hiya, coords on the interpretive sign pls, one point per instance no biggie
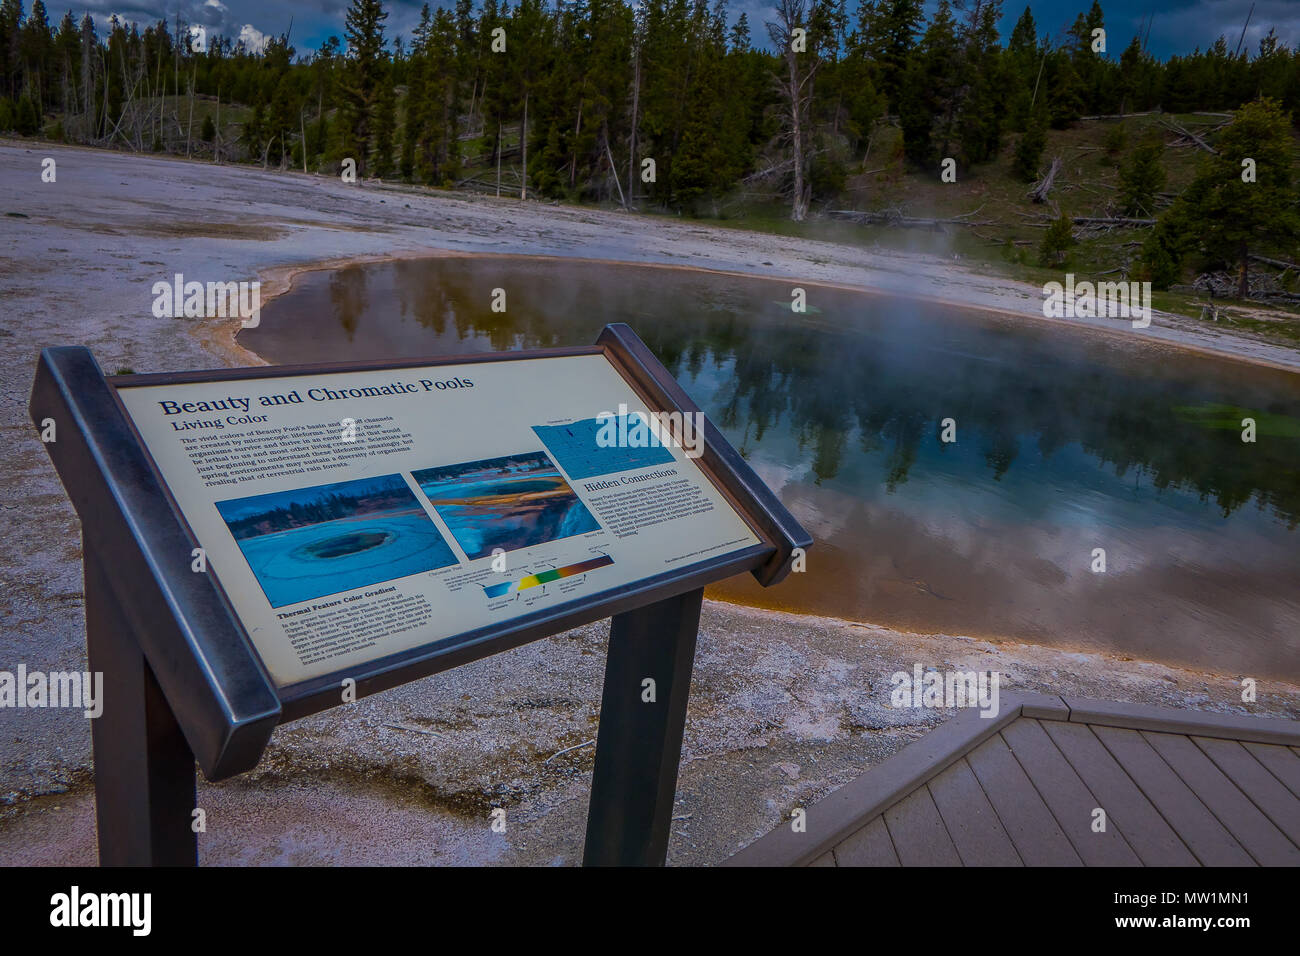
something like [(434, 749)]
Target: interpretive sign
[(264, 543), (354, 515)]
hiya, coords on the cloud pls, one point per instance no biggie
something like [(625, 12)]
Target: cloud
[(215, 15), (252, 39), (1179, 26), (1198, 23)]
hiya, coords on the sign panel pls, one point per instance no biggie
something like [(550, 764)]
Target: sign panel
[(354, 515)]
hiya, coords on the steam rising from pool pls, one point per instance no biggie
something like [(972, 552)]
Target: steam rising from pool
[(1066, 442)]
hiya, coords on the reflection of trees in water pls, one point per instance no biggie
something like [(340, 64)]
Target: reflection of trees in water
[(890, 383), (894, 390), (348, 295), (457, 294)]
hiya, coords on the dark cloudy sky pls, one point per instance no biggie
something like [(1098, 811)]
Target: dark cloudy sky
[(1178, 25)]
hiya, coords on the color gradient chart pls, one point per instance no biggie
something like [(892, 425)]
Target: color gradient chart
[(543, 577)]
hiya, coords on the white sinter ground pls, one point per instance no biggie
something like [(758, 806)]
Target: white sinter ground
[(783, 708)]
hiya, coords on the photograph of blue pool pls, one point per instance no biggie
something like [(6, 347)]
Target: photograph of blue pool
[(577, 447), (310, 542), (508, 503)]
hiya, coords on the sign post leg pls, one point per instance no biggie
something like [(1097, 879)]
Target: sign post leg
[(144, 770), (639, 742)]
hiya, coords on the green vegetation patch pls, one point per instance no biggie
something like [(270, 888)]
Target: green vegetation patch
[(1214, 416)]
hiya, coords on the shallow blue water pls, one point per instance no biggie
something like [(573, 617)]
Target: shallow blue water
[(289, 572)]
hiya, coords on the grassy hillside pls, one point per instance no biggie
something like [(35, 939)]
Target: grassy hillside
[(1008, 226)]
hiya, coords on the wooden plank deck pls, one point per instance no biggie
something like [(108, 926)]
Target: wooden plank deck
[(1175, 788)]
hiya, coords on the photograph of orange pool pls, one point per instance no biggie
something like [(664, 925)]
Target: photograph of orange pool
[(508, 503)]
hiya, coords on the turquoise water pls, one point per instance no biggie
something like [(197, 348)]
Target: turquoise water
[(485, 515), (300, 564), (1066, 442)]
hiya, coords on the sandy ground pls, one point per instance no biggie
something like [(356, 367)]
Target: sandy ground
[(784, 708)]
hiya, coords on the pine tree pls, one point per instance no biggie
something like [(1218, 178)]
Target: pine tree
[(982, 97), (67, 60), (495, 97), (609, 78), (385, 121), (1062, 89), (531, 30), (1024, 63), (416, 121), (1231, 218), (1140, 178), (896, 24), (1056, 242), (324, 69), (283, 120), (714, 149), (1029, 151), (363, 77), (1088, 65), (253, 136), (1162, 254), (445, 95), (37, 43), (11, 20), (27, 122), (863, 102), (1115, 139), (1133, 69), (931, 89)]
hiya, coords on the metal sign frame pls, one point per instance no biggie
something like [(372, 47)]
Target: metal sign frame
[(183, 681)]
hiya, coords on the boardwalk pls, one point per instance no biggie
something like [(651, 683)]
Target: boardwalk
[(1028, 788)]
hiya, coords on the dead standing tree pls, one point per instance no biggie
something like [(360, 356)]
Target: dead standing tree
[(790, 36)]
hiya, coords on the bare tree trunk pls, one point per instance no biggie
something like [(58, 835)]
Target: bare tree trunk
[(88, 88), (614, 170), (189, 129), (1044, 186), (797, 90), (573, 157), (799, 208), (498, 159), (636, 99), (1034, 99), (523, 143), (107, 79), (159, 82), (473, 95)]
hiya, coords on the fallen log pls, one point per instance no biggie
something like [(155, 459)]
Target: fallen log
[(1115, 115), (1001, 242), (893, 217), (1110, 221), (1188, 134), (1044, 186), (1091, 220), (1280, 263)]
